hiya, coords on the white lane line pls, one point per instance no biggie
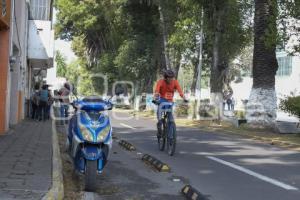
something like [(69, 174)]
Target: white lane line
[(252, 173), (88, 196), (127, 126)]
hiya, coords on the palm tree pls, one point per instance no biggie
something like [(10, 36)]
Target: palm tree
[(261, 108)]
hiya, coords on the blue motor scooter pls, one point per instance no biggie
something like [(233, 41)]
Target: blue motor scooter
[(90, 137)]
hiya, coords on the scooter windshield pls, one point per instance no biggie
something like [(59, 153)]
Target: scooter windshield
[(93, 104), (94, 116)]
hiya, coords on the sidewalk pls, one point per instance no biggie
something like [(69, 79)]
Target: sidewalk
[(26, 161)]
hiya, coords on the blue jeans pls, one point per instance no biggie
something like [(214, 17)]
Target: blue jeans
[(164, 106), (64, 111)]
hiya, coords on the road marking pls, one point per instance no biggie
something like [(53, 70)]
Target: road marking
[(252, 173), (176, 180), (88, 196), (127, 126)]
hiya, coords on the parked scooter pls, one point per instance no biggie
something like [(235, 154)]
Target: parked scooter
[(90, 137)]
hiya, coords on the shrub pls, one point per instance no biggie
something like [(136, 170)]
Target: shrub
[(206, 109), (291, 105), (240, 114), (182, 109)]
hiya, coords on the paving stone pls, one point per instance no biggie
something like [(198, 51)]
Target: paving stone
[(41, 184), (4, 173), (26, 161), (13, 183)]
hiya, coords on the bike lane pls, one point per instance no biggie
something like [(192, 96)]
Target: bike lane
[(219, 165)]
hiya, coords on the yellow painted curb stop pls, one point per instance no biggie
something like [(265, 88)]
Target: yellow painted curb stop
[(127, 145), (157, 164), (192, 194)]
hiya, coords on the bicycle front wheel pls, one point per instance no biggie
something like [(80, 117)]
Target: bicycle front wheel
[(161, 143), (161, 139), (171, 140)]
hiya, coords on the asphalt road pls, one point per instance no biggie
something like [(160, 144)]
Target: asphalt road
[(220, 166), (125, 177)]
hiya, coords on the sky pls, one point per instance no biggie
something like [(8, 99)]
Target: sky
[(65, 48)]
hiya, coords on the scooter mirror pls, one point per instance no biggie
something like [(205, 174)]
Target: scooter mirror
[(110, 106)]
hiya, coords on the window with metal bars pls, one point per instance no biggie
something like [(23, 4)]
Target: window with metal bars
[(284, 66), (40, 9)]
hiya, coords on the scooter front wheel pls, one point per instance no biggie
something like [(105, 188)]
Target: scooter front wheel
[(90, 175)]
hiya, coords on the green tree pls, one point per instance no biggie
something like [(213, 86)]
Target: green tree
[(226, 32), (61, 64), (73, 72), (288, 25)]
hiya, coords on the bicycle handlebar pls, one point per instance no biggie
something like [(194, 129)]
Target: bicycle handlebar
[(156, 102)]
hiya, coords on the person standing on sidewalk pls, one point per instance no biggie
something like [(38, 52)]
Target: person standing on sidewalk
[(232, 103), (35, 104), (64, 101), (44, 97), (228, 101), (49, 103)]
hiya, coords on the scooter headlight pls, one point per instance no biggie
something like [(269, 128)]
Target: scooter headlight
[(86, 134), (103, 134)]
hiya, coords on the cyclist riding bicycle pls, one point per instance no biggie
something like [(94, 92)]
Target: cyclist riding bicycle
[(164, 92)]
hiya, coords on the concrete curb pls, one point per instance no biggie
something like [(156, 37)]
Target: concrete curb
[(277, 142), (127, 145), (157, 164), (56, 192), (192, 194)]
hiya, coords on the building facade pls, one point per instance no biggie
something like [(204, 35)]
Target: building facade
[(287, 80), (26, 52), (5, 16)]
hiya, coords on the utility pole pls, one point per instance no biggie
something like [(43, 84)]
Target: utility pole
[(198, 82)]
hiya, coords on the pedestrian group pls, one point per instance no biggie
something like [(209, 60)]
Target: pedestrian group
[(41, 101)]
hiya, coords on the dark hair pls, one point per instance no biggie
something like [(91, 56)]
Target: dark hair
[(169, 73), (67, 85)]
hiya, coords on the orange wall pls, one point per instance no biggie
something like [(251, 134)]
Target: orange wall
[(4, 20), (20, 106), (4, 55)]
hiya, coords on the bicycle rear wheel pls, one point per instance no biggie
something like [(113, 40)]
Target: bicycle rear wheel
[(171, 139)]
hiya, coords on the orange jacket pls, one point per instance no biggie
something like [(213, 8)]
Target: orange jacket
[(167, 90)]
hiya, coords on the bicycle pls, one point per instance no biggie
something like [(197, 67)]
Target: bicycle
[(168, 131)]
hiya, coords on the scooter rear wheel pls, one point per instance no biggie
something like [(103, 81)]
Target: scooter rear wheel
[(90, 175)]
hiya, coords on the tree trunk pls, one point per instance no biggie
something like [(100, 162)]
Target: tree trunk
[(164, 34), (195, 76), (177, 63), (261, 108), (196, 63), (218, 61)]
